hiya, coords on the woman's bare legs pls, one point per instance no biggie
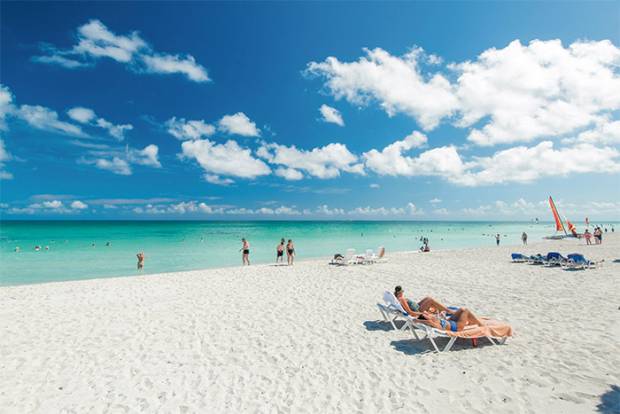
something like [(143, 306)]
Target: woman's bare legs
[(464, 317), (428, 303)]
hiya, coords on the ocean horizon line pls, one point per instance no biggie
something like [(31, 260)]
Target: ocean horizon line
[(163, 220)]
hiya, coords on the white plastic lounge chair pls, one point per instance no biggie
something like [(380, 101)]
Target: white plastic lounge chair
[(392, 311), (369, 257), (380, 257), (351, 258)]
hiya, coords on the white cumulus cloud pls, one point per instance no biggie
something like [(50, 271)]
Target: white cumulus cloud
[(88, 117), (183, 130), (96, 41), (238, 124), (331, 115), (397, 83), (323, 162), (79, 205), (228, 159)]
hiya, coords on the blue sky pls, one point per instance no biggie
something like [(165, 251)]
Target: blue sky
[(310, 110)]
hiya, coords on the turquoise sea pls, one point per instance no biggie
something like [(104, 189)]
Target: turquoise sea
[(77, 249)]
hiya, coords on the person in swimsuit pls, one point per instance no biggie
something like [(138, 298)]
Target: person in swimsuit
[(245, 248), (290, 252), (497, 238), (454, 322), (140, 257), (524, 238), (280, 252), (414, 309)]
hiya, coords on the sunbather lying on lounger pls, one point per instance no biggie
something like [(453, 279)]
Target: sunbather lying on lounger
[(455, 322), (427, 304)]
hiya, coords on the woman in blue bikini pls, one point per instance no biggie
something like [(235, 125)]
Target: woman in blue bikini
[(454, 322)]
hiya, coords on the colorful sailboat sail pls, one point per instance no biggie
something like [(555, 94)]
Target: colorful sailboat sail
[(572, 228), (559, 226)]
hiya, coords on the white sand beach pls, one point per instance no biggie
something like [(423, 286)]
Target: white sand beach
[(308, 338)]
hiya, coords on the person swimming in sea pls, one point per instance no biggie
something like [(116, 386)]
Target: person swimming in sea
[(290, 252), (141, 258), (280, 252), (245, 248)]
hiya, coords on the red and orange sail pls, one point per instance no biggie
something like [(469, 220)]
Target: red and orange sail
[(572, 228), (558, 222)]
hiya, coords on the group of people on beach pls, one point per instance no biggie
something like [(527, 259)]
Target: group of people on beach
[(283, 246), (597, 233)]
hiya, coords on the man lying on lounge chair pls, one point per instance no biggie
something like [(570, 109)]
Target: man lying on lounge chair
[(427, 304)]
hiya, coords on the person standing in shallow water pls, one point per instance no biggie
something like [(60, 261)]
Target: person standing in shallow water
[(290, 252), (245, 248), (140, 257), (280, 252), (497, 238), (524, 238)]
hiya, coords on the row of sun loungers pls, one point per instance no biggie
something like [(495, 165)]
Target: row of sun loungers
[(571, 261), (351, 258), (392, 311)]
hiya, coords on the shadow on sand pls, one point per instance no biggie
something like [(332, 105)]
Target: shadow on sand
[(610, 401), (415, 347), (411, 346), (382, 325)]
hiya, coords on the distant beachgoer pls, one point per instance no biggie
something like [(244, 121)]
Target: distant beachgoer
[(497, 238), (598, 235), (17, 249), (588, 236), (37, 248), (108, 244), (245, 248), (141, 258), (280, 252), (92, 244), (290, 252), (47, 247), (524, 238)]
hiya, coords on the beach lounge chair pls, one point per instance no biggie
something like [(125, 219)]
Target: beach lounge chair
[(578, 261), (392, 310), (555, 259), (369, 257), (537, 259), (380, 257), (496, 332), (518, 258), (351, 258)]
